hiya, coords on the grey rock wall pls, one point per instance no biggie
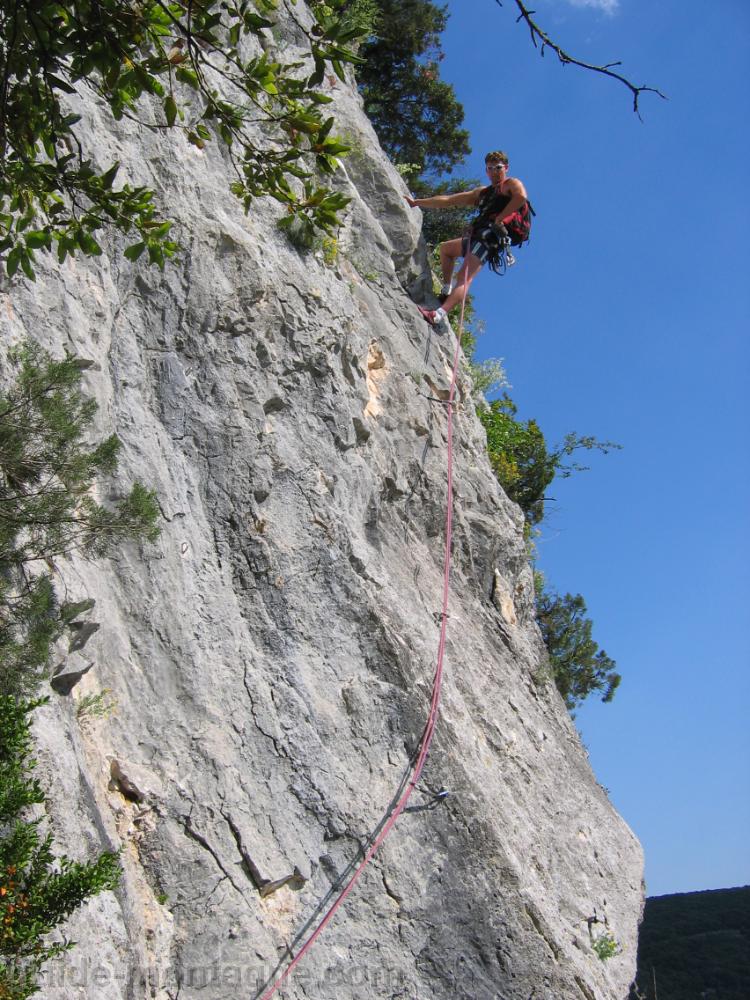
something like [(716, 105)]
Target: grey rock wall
[(271, 656)]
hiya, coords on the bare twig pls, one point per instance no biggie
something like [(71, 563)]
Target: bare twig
[(537, 36)]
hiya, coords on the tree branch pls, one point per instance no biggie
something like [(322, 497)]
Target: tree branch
[(10, 46), (538, 35)]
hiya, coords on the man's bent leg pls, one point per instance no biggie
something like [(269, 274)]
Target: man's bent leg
[(449, 254), (465, 277)]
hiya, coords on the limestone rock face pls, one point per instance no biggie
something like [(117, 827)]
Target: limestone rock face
[(270, 658)]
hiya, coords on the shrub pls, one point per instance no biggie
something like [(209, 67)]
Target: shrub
[(488, 375), (38, 890), (521, 460), (47, 471), (579, 667), (519, 457), (46, 507), (525, 467)]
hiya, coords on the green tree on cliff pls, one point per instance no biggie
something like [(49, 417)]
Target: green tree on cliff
[(47, 509), (579, 667), (205, 70), (525, 467), (48, 469), (38, 889), (521, 459), (416, 114)]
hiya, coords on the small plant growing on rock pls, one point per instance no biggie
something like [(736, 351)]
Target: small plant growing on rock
[(579, 667), (365, 270), (605, 946), (95, 706), (409, 171), (330, 250), (326, 248)]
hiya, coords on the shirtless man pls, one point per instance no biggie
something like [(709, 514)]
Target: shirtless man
[(496, 203)]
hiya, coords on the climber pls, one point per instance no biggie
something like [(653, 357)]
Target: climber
[(504, 215)]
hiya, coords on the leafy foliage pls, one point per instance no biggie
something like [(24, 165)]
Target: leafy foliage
[(488, 375), (579, 667), (96, 706), (47, 472), (201, 69), (605, 946), (695, 946), (518, 456), (46, 507), (37, 889), (525, 467), (521, 460), (415, 114), (359, 18)]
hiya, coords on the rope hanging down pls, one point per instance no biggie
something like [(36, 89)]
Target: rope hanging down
[(411, 778)]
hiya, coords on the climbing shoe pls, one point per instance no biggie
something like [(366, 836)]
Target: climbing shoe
[(435, 317)]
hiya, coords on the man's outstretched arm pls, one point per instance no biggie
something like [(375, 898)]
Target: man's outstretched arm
[(468, 198)]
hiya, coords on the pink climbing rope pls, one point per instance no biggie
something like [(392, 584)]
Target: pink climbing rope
[(429, 728)]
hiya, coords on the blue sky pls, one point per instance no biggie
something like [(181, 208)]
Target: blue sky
[(627, 317)]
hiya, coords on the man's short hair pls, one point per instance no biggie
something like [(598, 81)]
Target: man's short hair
[(498, 156)]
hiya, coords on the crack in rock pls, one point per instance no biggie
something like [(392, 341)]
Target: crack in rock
[(192, 834), (265, 886)]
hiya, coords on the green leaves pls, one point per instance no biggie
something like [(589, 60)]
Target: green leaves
[(416, 115), (20, 256), (47, 471), (38, 890), (14, 260), (49, 187), (38, 195), (170, 109), (38, 239), (521, 459), (579, 667), (525, 467), (46, 509), (87, 243), (134, 252)]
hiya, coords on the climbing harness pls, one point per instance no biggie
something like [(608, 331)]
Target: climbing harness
[(517, 226), (491, 241), (349, 878)]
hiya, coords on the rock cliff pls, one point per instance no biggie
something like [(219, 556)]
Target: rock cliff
[(270, 658)]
